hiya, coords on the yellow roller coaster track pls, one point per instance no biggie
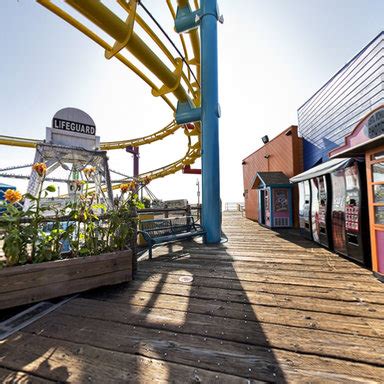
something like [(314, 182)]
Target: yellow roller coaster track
[(125, 37)]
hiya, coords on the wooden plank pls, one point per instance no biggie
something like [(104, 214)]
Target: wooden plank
[(276, 289), (294, 302), (146, 277), (305, 280), (62, 361), (199, 351), (34, 276), (12, 377), (275, 315), (266, 261), (79, 261), (238, 268), (250, 331), (63, 288)]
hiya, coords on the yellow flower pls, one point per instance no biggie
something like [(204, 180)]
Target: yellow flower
[(88, 172), (124, 188), (40, 168), (12, 196)]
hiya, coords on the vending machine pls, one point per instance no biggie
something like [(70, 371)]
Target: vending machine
[(320, 210), (338, 211), (356, 215), (305, 209)]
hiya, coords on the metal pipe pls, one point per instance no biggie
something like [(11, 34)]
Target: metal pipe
[(110, 23), (211, 210)]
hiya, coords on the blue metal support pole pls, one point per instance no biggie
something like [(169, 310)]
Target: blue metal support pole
[(211, 206)]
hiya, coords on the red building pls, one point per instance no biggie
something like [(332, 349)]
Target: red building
[(283, 154)]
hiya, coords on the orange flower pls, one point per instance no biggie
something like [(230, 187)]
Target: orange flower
[(88, 172), (124, 188), (40, 168), (12, 196)]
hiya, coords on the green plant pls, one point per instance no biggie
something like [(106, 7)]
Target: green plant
[(85, 224)]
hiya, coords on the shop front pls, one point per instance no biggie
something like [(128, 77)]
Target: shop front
[(367, 140)]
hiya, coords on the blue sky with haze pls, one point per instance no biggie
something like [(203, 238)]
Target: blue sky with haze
[(273, 56)]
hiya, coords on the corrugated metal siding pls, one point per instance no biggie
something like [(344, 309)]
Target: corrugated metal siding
[(285, 155), (332, 113)]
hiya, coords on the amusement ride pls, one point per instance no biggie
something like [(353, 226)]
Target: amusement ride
[(189, 86)]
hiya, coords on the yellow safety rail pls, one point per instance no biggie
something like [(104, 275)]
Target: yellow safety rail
[(125, 37), (107, 145)]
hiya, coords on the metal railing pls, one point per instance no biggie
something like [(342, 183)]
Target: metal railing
[(234, 206)]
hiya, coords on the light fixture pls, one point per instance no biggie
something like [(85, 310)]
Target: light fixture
[(265, 139)]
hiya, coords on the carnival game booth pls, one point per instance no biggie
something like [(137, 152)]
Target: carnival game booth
[(333, 209), (367, 140), (275, 199)]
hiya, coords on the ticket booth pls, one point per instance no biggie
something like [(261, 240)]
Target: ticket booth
[(367, 139), (275, 199)]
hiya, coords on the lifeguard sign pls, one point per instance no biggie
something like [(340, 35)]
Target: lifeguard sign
[(72, 127), (70, 146)]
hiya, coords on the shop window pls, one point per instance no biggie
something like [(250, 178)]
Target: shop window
[(378, 156), (379, 215), (378, 193), (378, 172)]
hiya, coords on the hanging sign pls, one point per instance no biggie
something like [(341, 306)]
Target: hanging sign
[(73, 126)]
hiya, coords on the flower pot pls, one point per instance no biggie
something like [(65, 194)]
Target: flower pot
[(31, 283)]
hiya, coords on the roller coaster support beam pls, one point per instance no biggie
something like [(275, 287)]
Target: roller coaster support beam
[(211, 210), (136, 156)]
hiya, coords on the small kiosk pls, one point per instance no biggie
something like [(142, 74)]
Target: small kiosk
[(275, 199), (367, 139)]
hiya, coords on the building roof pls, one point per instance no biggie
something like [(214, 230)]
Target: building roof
[(380, 35), (269, 179)]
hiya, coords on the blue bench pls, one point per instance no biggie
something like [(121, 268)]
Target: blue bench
[(161, 231)]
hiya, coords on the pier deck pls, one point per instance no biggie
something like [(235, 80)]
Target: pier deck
[(263, 307)]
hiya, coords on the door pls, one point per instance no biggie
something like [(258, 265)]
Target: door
[(261, 206), (375, 177)]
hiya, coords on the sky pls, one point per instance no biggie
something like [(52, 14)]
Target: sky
[(273, 56)]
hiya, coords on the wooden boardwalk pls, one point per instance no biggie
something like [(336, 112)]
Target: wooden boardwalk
[(263, 307)]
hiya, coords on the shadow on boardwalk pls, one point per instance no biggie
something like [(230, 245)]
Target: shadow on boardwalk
[(262, 307)]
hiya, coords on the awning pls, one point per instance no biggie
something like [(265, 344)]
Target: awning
[(322, 169)]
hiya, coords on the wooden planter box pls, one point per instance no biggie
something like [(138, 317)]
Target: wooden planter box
[(31, 283)]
